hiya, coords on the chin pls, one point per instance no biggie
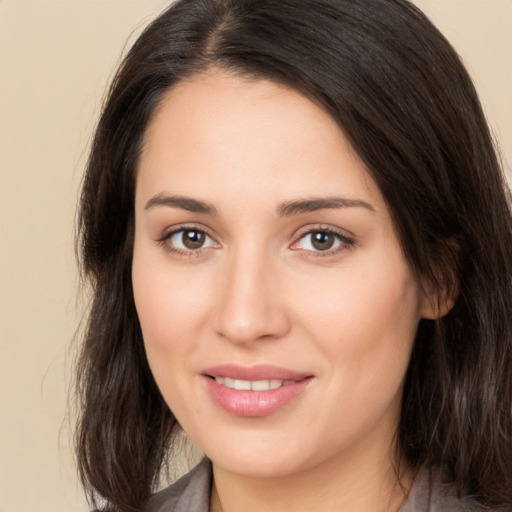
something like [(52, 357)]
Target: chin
[(261, 465), (265, 456)]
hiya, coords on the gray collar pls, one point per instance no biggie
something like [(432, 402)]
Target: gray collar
[(191, 493)]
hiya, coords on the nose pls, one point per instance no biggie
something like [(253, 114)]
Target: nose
[(251, 304)]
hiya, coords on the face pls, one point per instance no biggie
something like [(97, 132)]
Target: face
[(277, 309)]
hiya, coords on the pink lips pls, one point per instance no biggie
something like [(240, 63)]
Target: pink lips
[(241, 402)]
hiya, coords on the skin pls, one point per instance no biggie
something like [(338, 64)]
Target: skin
[(259, 292)]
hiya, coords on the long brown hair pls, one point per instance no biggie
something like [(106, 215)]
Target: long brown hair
[(400, 94)]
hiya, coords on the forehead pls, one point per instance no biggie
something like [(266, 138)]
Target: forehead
[(239, 108), (219, 128)]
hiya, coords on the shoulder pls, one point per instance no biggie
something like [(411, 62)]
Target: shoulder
[(191, 493), (430, 493)]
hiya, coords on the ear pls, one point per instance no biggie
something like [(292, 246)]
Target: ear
[(438, 303), (441, 287)]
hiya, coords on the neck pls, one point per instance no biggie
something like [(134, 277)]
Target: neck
[(365, 484)]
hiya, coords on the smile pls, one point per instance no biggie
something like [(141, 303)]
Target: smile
[(254, 391), (253, 385)]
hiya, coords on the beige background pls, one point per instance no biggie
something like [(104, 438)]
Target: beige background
[(55, 59)]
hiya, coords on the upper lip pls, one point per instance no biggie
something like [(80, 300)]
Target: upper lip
[(256, 372)]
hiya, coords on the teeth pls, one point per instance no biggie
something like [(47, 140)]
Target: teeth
[(242, 385), (252, 385), (274, 384)]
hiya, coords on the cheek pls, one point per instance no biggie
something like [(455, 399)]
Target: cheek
[(172, 306), (165, 308), (365, 322), (171, 311), (365, 329), (357, 311)]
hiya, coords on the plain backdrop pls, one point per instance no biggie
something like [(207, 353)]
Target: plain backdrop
[(56, 58)]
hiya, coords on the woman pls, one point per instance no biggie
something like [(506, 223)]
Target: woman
[(299, 240)]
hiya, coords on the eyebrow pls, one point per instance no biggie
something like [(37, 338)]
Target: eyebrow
[(185, 203), (290, 208), (286, 209)]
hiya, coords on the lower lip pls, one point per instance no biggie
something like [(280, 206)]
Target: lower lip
[(254, 403)]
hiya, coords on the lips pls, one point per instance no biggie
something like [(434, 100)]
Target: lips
[(257, 372), (253, 385), (254, 391)]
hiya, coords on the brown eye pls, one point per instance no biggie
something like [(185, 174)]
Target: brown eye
[(189, 239), (193, 239), (322, 240)]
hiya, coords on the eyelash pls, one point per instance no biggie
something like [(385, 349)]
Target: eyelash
[(164, 239), (344, 242)]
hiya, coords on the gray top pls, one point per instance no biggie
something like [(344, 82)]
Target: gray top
[(191, 493)]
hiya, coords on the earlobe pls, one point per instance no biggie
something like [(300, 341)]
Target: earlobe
[(437, 303), (441, 283), (434, 309)]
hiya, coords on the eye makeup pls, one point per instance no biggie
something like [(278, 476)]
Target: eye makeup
[(318, 241)]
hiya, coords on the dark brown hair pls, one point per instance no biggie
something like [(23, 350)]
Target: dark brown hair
[(400, 94)]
